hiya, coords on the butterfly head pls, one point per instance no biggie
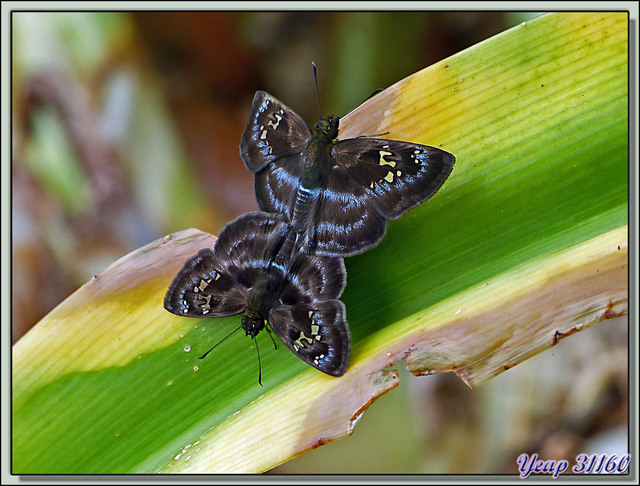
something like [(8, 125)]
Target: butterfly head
[(328, 127), (252, 325)]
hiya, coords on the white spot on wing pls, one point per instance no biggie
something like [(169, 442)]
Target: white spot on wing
[(386, 162), (275, 125)]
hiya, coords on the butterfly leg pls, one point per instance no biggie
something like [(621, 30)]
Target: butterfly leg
[(271, 336)]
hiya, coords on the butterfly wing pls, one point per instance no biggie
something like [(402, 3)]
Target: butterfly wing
[(274, 130), (205, 287), (276, 184), (345, 221), (251, 237), (396, 175), (317, 333), (312, 278)]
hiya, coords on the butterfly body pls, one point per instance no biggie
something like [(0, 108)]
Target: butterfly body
[(263, 296), (338, 194), (252, 270), (318, 161)]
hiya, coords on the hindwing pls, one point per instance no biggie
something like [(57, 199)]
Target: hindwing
[(317, 333)]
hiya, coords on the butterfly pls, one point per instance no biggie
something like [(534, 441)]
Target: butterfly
[(252, 269), (338, 194)]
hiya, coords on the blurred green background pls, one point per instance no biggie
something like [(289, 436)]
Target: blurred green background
[(125, 127)]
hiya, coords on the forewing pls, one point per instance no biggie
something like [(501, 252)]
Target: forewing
[(205, 287), (346, 221), (317, 333), (397, 176), (274, 130)]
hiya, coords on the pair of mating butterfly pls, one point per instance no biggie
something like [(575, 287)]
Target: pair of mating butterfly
[(324, 199)]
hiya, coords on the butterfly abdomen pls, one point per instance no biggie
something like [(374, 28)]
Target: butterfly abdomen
[(302, 209)]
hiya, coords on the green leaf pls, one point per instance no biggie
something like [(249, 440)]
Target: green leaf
[(525, 244)]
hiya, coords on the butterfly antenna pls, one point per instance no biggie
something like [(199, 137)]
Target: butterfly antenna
[(315, 78), (201, 357), (259, 364)]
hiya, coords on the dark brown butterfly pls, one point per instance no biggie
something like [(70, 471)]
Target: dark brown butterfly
[(338, 194), (252, 269)]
